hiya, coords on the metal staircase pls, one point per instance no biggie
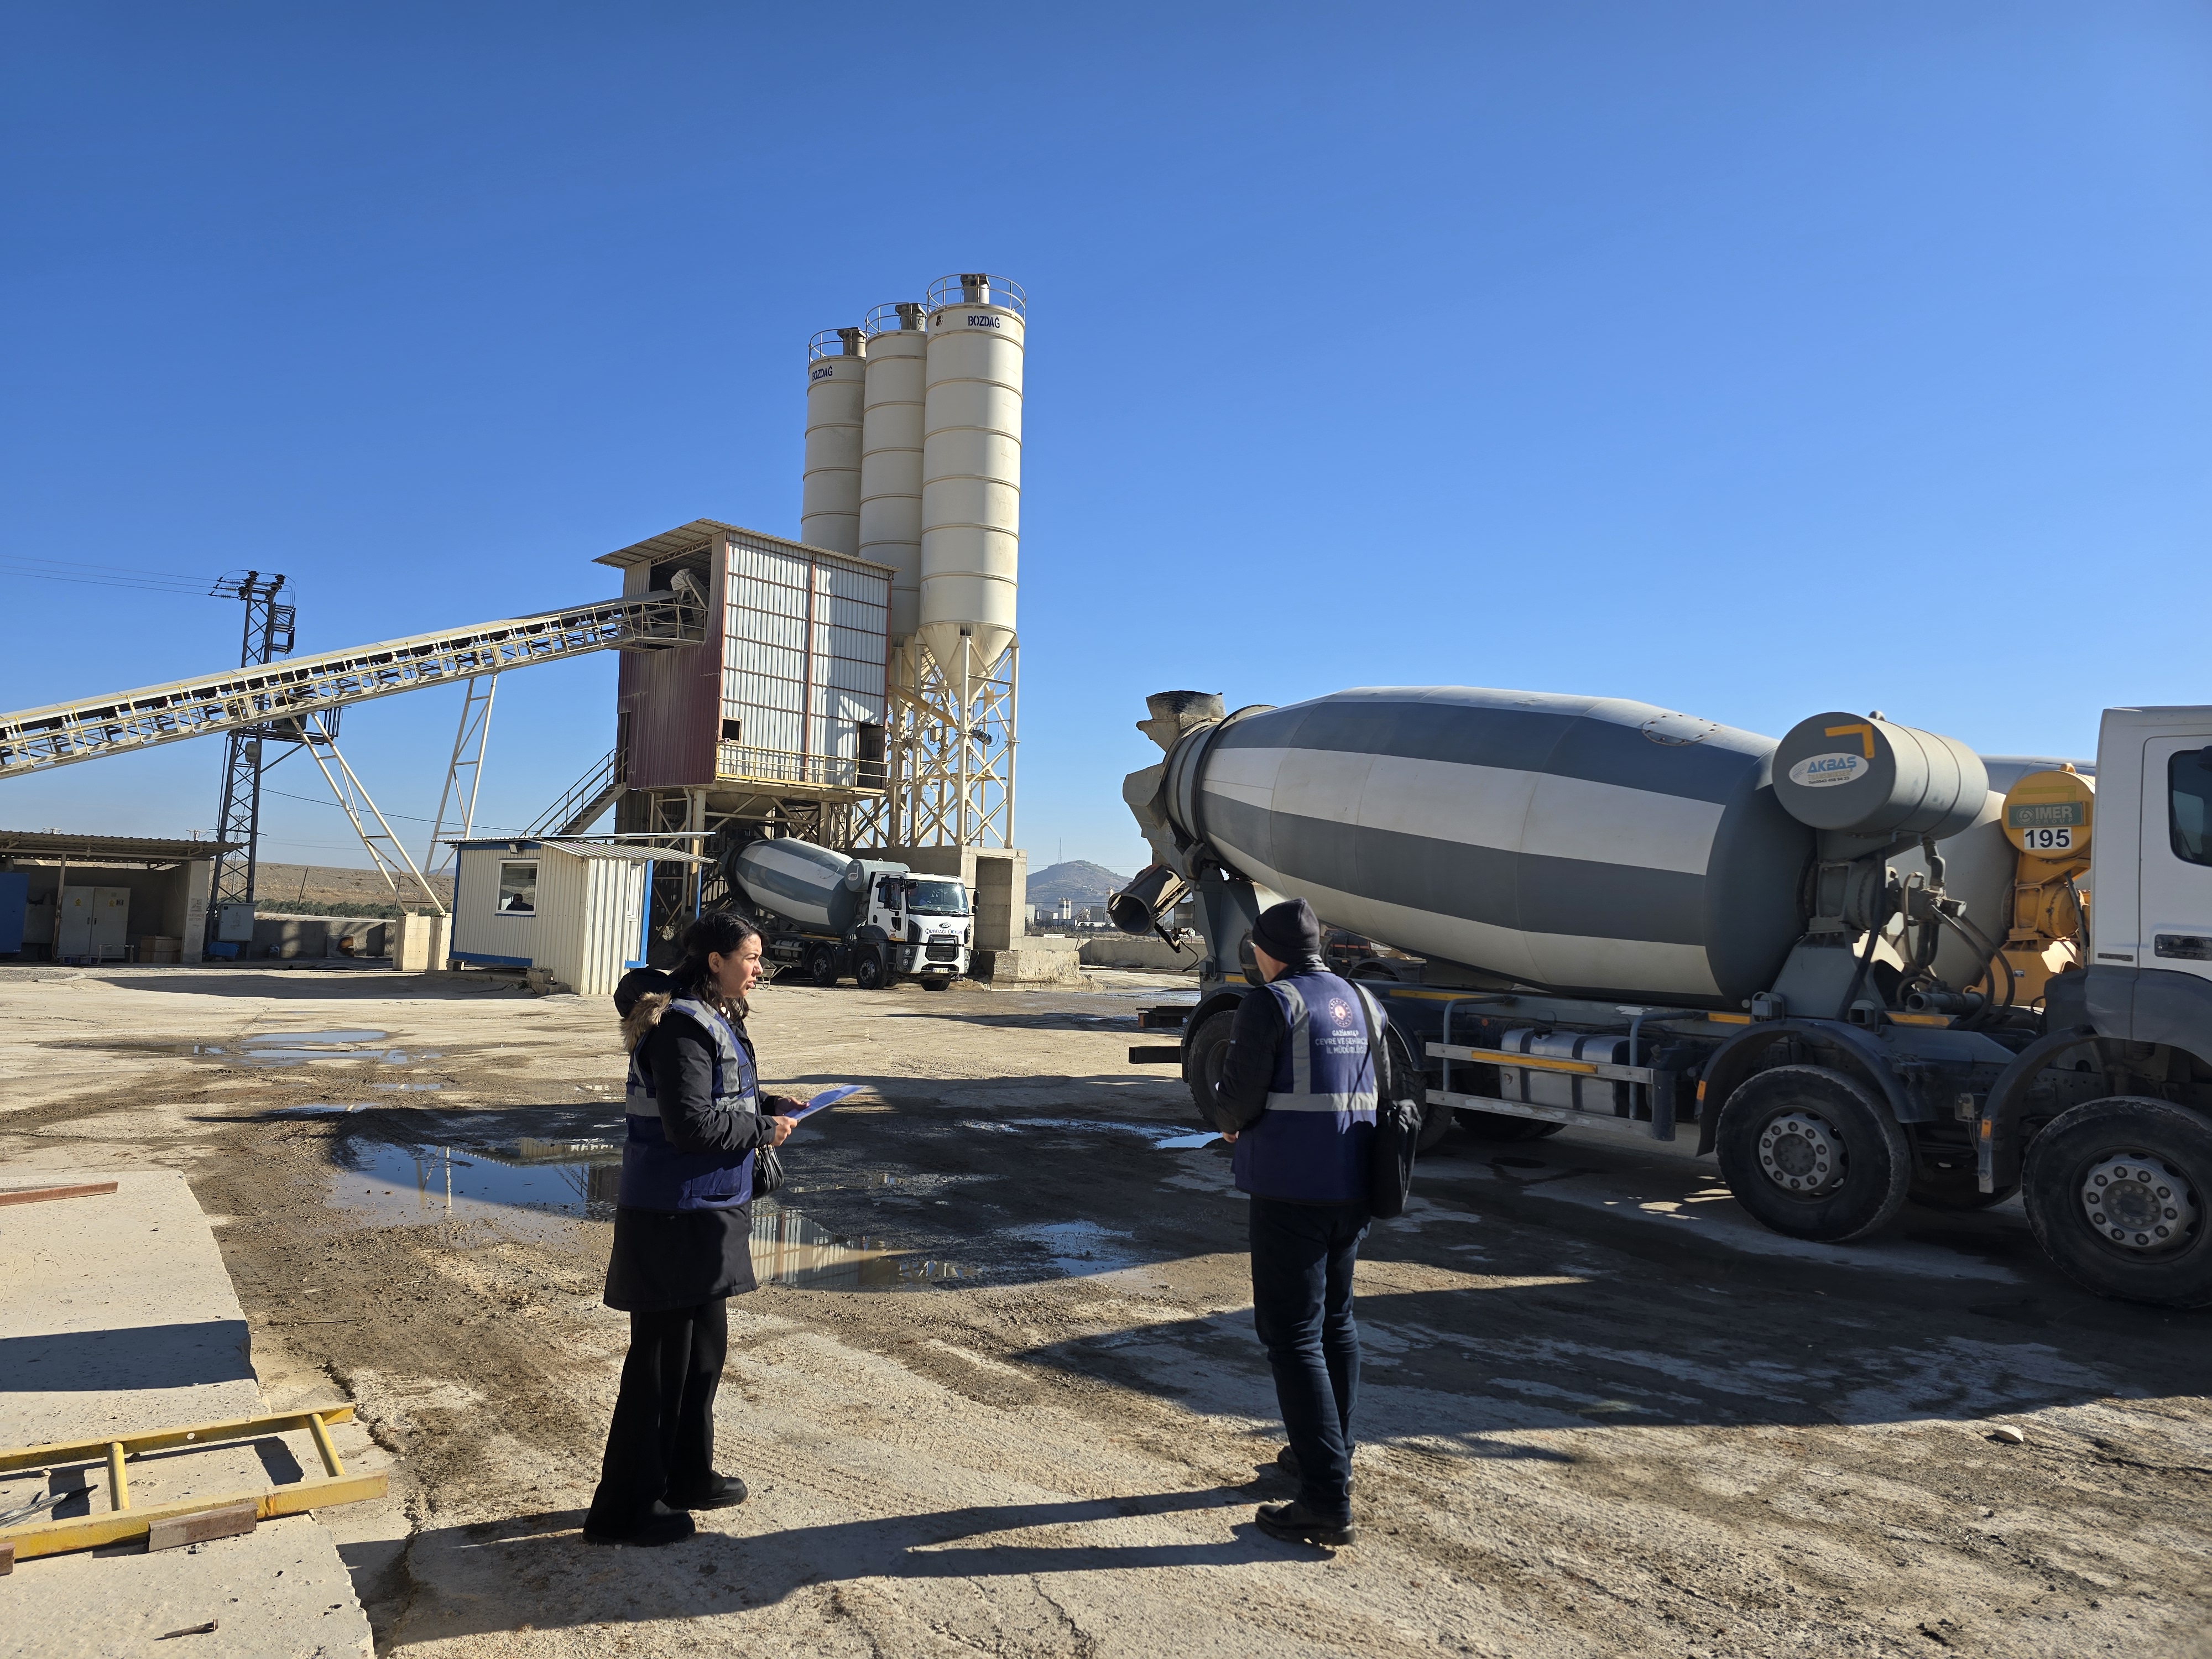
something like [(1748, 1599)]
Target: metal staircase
[(578, 810)]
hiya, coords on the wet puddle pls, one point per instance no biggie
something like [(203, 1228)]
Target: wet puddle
[(579, 1179), (306, 1048)]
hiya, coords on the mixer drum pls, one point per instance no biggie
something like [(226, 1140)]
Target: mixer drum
[(812, 886), (1587, 846)]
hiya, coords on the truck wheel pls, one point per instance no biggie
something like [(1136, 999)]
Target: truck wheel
[(1812, 1155), (1406, 1074), (1202, 1058), (868, 971), (822, 966), (2117, 1192), (938, 982), (1944, 1176)]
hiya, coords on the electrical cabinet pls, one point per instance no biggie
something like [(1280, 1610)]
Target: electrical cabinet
[(95, 924)]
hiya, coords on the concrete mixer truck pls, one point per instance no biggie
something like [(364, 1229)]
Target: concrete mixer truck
[(830, 916), (1860, 965)]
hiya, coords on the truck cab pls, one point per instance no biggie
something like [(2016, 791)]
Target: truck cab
[(928, 924)]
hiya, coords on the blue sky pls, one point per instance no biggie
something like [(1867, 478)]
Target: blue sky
[(1751, 360)]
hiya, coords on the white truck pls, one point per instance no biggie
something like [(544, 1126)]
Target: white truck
[(1862, 963), (831, 916)]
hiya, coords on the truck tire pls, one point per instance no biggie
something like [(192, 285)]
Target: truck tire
[(1504, 1125), (1201, 1062), (1811, 1154), (1945, 1176), (868, 970), (2119, 1193), (822, 965), (938, 982)]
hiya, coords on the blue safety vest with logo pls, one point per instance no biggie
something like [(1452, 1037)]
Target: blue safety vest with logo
[(658, 1176), (1314, 1143)]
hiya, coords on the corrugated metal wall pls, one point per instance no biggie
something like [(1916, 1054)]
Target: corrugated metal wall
[(479, 929), (590, 912), (803, 661)]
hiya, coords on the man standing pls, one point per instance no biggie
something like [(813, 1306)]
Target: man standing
[(1305, 1067)]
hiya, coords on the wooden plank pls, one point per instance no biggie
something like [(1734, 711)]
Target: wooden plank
[(1600, 1068), (41, 1195), (7, 1556), (231, 1521), (235, 1428), (118, 1484), (86, 1532)]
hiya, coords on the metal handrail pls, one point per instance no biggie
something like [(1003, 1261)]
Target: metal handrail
[(1005, 292), (885, 320), (62, 734), (591, 787), (831, 342)]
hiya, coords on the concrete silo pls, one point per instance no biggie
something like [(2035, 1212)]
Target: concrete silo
[(890, 458), (971, 473), (829, 502)]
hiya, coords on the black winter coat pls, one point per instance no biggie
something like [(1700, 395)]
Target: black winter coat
[(665, 1259)]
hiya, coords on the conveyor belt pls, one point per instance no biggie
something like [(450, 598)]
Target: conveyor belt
[(34, 740)]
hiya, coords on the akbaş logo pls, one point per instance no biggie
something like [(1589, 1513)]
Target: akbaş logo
[(1820, 771)]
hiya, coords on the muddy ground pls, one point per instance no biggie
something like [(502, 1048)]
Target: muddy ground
[(1604, 1413)]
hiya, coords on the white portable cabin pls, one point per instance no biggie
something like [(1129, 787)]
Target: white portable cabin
[(574, 908)]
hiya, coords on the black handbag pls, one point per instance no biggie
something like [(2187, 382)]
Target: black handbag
[(1397, 1131), (768, 1169)]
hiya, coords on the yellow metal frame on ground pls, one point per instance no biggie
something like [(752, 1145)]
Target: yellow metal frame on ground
[(122, 1521)]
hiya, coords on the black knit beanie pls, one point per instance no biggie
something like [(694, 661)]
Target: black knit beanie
[(1289, 932)]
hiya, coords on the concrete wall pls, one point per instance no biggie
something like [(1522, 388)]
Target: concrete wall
[(282, 937), (421, 947), (1130, 950), (997, 879)]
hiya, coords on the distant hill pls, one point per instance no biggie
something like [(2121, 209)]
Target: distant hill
[(1078, 880)]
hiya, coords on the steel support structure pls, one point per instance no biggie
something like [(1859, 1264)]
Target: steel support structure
[(385, 851), (949, 755), (475, 729), (268, 636)]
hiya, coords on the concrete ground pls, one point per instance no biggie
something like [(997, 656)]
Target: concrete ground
[(116, 1317), (1020, 1408)]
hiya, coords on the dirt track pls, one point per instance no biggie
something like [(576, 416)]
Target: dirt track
[(1603, 1414)]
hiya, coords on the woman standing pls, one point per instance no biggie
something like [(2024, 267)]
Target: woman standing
[(682, 1224)]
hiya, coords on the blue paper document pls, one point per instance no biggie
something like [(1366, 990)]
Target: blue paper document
[(827, 1098)]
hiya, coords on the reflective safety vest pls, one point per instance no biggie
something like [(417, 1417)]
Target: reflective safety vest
[(1314, 1143), (657, 1176)]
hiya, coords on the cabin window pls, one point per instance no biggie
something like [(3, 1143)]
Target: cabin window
[(518, 888), (2189, 805)]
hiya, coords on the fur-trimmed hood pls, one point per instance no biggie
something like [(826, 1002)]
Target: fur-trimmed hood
[(642, 1019)]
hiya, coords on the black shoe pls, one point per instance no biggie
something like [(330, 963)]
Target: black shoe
[(1288, 1461), (1300, 1525), (722, 1492), (660, 1525)]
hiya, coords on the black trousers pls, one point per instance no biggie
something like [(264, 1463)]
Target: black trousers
[(662, 1438), (1301, 1261)]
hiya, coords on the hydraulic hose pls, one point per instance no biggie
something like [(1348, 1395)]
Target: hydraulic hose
[(1992, 968), (1866, 957)]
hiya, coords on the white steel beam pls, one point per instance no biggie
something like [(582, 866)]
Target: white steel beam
[(476, 720), (61, 734)]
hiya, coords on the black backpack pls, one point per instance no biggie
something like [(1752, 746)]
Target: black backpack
[(1397, 1128)]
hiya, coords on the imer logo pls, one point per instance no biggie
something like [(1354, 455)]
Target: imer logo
[(1822, 771)]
